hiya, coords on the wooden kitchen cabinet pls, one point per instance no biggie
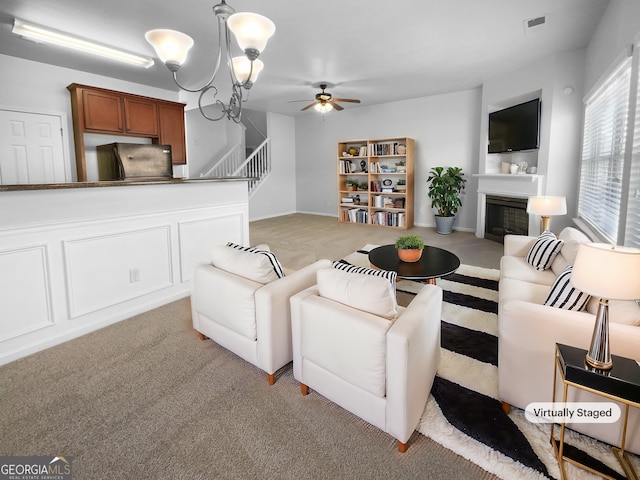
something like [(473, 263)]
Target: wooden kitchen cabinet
[(102, 111), (140, 116), (172, 131)]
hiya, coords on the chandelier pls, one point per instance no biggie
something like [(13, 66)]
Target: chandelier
[(252, 31)]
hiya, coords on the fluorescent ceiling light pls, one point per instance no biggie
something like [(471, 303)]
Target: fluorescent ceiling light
[(42, 34)]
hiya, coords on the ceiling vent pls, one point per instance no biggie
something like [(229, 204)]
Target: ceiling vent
[(535, 25)]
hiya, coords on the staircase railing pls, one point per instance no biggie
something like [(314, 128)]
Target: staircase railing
[(257, 165), (228, 164)]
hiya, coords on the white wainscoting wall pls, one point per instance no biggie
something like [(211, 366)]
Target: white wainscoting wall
[(73, 260)]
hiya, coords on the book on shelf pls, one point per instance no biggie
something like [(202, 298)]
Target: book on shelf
[(358, 215), (346, 166), (390, 219), (380, 201), (363, 151), (386, 148)]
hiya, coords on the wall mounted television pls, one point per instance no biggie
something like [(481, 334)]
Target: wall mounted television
[(515, 128)]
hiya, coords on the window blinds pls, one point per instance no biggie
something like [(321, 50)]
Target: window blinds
[(632, 230), (603, 151)]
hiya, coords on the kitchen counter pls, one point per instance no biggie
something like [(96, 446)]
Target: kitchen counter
[(118, 183)]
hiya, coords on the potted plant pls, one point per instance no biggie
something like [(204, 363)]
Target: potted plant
[(401, 166), (401, 185), (410, 248), (363, 186), (444, 191), (352, 185)]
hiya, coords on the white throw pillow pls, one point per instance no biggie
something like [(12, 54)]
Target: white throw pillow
[(369, 293), (254, 264), (563, 294), (544, 250)]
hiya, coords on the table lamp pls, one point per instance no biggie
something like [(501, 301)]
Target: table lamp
[(547, 207), (607, 272)]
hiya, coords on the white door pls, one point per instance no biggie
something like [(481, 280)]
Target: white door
[(30, 148)]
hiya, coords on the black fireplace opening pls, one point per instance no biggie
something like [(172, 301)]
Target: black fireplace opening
[(505, 216)]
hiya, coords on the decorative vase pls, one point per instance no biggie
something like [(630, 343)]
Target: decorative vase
[(444, 225), (409, 255)]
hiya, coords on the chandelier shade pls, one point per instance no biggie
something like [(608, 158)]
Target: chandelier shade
[(243, 67), (251, 30), (171, 46)]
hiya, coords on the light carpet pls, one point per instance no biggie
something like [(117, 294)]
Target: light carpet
[(463, 412)]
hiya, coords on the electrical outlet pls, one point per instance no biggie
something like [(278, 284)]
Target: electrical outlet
[(134, 275)]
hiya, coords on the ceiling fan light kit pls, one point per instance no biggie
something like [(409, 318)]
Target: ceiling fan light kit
[(323, 107), (252, 32), (325, 102)]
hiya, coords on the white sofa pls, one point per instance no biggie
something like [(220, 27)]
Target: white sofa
[(380, 368), (249, 316), (528, 331)]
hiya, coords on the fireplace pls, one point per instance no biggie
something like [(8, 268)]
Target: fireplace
[(505, 215)]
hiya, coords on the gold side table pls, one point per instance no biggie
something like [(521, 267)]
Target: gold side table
[(621, 383)]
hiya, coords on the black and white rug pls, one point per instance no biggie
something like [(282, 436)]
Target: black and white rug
[(463, 412)]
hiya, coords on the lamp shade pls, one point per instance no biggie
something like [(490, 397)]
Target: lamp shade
[(547, 206), (242, 67), (323, 107), (171, 46), (252, 31), (607, 271)]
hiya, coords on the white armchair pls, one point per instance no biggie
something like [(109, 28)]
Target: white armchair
[(379, 369), (250, 318)]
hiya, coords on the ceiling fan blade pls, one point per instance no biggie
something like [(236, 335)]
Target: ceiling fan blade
[(352, 100), (309, 106), (336, 106)]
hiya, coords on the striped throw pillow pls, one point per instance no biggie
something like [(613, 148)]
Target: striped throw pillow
[(544, 250), (252, 263), (564, 295), (347, 267), (275, 264)]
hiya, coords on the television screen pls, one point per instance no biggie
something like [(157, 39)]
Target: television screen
[(515, 128)]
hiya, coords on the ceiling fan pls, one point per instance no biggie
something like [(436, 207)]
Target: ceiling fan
[(324, 101)]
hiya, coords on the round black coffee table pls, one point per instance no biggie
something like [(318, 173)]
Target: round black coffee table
[(434, 263)]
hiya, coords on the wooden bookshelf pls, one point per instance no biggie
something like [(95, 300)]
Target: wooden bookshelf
[(375, 165)]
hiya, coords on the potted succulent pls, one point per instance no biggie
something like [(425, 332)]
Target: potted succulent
[(363, 186), (401, 185), (445, 187), (352, 185), (401, 166), (410, 248)]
